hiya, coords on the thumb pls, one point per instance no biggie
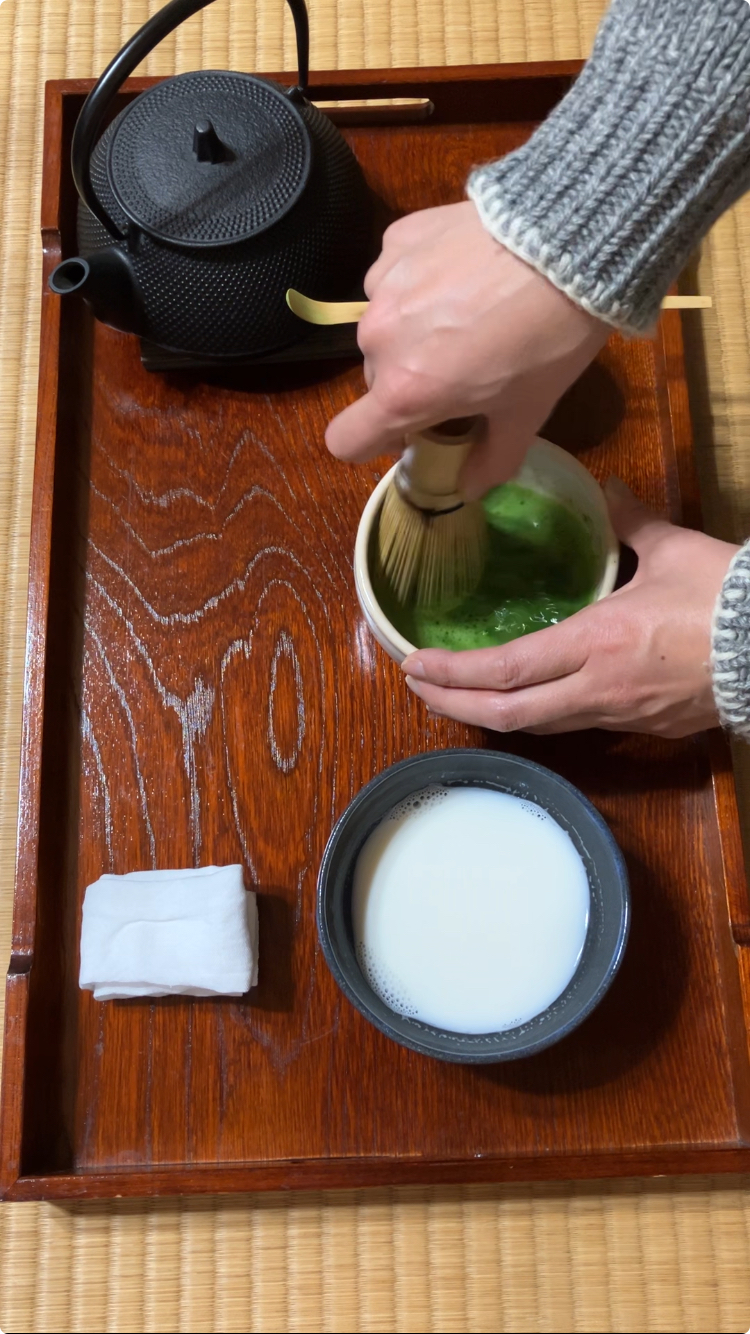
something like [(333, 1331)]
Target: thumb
[(634, 523), (495, 458)]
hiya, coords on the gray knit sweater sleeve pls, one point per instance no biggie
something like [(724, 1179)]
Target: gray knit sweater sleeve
[(730, 658), (651, 145)]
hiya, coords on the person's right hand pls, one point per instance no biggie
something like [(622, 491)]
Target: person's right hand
[(457, 326)]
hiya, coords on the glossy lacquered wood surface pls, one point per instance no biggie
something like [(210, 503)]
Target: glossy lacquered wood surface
[(202, 688)]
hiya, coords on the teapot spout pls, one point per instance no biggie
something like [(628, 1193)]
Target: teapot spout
[(106, 281)]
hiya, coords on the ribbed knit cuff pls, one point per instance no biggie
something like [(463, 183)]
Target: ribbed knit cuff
[(730, 645), (652, 144)]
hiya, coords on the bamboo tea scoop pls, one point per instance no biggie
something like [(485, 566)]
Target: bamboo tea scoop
[(349, 312), (325, 312)]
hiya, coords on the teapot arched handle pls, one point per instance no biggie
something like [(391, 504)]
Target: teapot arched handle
[(133, 52)]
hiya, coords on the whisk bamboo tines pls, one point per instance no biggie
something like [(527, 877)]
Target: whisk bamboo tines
[(431, 543)]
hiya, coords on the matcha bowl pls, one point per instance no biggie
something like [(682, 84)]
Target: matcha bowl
[(547, 470)]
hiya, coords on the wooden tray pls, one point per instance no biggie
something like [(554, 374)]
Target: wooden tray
[(200, 687)]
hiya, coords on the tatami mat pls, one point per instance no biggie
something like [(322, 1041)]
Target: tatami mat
[(665, 1255)]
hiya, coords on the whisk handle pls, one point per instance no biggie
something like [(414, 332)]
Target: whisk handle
[(432, 461)]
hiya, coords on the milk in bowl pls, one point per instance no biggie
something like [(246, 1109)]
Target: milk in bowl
[(474, 906), (470, 909)]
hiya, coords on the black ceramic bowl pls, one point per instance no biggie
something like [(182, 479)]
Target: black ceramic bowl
[(609, 915)]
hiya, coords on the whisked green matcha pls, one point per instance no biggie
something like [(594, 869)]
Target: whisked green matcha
[(541, 567)]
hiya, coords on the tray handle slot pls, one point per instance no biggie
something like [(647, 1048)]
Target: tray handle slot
[(21, 961), (378, 110)]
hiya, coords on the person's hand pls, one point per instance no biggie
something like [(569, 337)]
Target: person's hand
[(457, 326), (638, 661)]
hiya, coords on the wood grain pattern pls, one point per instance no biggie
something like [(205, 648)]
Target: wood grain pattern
[(201, 688)]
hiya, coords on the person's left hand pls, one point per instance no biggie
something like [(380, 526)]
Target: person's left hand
[(638, 661)]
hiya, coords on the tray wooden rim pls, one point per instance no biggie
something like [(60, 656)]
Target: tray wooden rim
[(357, 1173), (329, 1172)]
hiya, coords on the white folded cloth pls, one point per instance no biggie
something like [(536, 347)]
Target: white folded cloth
[(164, 933)]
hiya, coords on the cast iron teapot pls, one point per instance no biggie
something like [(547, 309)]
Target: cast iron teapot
[(207, 198)]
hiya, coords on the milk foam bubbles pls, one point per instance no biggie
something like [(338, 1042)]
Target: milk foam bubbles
[(469, 908)]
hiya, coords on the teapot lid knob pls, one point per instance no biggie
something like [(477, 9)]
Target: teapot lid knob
[(207, 145)]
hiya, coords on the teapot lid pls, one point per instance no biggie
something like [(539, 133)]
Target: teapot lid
[(209, 158)]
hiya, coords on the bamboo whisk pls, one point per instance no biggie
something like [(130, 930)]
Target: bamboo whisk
[(432, 544)]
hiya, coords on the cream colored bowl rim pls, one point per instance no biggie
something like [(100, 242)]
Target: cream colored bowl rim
[(372, 607)]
